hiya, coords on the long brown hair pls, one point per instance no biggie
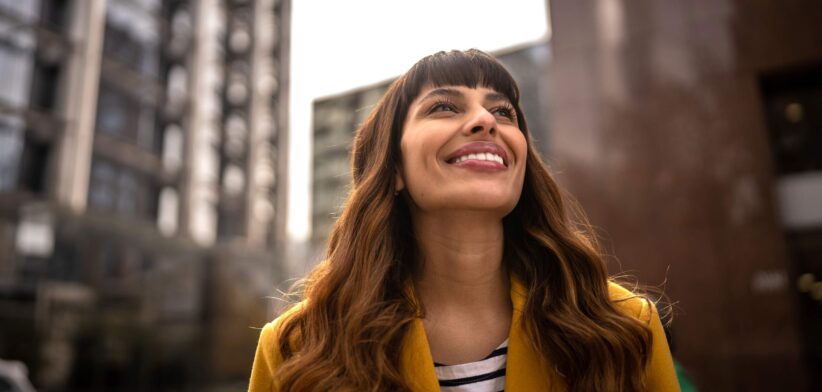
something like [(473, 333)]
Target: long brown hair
[(348, 332)]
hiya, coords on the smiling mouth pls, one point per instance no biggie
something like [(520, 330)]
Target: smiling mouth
[(480, 157), (480, 162)]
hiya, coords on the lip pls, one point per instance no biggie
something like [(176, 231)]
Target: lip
[(478, 147)]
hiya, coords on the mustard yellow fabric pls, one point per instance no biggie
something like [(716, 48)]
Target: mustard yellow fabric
[(524, 372)]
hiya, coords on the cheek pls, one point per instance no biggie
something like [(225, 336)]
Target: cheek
[(410, 154), (412, 168), (421, 173), (418, 153), (520, 145)]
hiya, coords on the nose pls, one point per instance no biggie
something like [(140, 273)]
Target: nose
[(482, 121)]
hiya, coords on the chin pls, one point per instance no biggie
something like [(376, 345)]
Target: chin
[(501, 204)]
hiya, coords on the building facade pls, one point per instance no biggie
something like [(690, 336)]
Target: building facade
[(142, 172), (689, 131)]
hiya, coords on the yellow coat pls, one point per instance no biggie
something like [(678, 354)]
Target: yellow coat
[(523, 369)]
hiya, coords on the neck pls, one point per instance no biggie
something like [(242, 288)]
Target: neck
[(461, 261)]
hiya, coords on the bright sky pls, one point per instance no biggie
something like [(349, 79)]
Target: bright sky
[(341, 45)]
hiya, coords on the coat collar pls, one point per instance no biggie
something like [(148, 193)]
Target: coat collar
[(524, 369)]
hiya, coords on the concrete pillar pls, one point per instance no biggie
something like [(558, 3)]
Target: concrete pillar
[(200, 168), (78, 103)]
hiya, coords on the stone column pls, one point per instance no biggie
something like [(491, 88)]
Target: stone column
[(78, 103)]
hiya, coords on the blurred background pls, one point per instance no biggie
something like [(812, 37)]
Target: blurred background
[(167, 166)]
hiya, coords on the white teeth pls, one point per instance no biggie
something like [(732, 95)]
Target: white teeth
[(483, 156)]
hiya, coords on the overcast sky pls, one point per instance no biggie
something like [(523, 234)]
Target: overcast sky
[(338, 46)]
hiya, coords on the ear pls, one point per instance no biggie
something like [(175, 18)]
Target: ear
[(399, 182)]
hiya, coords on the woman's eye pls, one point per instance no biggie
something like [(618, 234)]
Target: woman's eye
[(442, 107), (504, 112)]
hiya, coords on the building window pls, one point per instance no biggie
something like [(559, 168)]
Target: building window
[(793, 100), (53, 14), (131, 37), (113, 110), (101, 186), (121, 190), (16, 63), (124, 117), (34, 164), (119, 45), (44, 86), (11, 144)]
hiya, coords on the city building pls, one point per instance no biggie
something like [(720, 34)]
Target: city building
[(689, 132), (142, 172)]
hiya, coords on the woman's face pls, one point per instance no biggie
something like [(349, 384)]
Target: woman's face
[(462, 149)]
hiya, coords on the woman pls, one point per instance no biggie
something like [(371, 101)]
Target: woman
[(458, 263)]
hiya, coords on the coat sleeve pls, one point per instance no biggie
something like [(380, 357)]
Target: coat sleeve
[(661, 375), (266, 360)]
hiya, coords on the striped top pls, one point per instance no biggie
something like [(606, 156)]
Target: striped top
[(487, 375)]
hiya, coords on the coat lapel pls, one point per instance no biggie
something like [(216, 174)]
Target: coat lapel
[(417, 363), (524, 370)]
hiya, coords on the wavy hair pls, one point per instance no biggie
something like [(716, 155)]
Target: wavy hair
[(348, 332)]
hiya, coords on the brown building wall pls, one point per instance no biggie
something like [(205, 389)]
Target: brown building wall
[(658, 128)]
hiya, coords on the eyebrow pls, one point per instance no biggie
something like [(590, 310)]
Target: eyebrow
[(442, 92), (495, 96), (453, 93)]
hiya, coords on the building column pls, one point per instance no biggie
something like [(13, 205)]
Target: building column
[(78, 103), (199, 186), (260, 167)]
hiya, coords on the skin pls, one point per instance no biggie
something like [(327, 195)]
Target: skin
[(457, 212)]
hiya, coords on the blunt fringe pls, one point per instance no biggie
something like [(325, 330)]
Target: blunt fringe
[(347, 334)]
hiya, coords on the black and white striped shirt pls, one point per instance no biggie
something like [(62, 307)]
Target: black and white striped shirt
[(487, 375)]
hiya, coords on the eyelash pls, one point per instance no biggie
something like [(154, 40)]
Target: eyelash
[(447, 104), (508, 108), (442, 104)]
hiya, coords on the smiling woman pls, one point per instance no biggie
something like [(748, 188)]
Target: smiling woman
[(457, 264)]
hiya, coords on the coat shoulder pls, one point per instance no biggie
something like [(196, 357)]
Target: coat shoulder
[(630, 302), (268, 356), (660, 371)]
